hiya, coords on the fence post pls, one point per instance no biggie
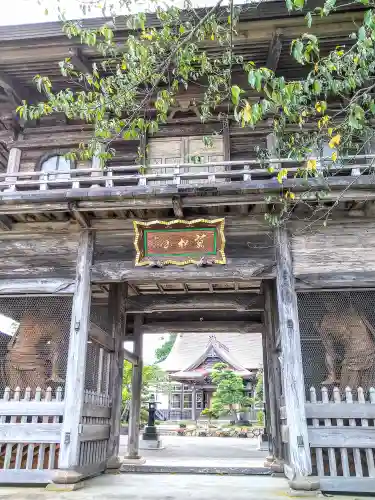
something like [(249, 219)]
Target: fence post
[(292, 370)]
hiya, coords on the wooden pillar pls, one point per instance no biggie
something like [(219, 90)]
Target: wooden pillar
[(117, 297), (273, 368), (266, 392), (76, 366), (135, 404), (291, 361), (226, 141), (194, 403), (271, 141), (182, 402), (13, 167)]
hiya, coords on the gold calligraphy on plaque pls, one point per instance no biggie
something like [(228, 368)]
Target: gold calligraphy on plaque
[(179, 242)]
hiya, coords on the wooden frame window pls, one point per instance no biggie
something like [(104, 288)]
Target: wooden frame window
[(59, 164)]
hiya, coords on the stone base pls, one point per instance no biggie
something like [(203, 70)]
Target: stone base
[(113, 465), (305, 484), (277, 466), (65, 487), (134, 461), (304, 494), (148, 444), (67, 477)]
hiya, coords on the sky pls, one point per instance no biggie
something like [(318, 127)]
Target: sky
[(29, 11), (150, 344)]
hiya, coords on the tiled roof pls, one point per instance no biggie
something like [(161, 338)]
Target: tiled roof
[(246, 349)]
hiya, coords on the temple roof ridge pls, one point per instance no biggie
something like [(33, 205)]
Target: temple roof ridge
[(241, 351)]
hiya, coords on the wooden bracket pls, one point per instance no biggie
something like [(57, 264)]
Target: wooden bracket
[(82, 218), (5, 223), (178, 209), (80, 61), (274, 51)]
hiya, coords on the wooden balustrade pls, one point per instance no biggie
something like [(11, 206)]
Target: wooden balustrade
[(30, 430), (176, 174), (342, 439)]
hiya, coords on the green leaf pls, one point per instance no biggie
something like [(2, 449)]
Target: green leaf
[(317, 86), (298, 4), (361, 33), (251, 78), (236, 91)]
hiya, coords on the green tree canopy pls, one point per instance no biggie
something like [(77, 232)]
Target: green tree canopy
[(129, 92), (152, 377), (163, 351), (230, 392)]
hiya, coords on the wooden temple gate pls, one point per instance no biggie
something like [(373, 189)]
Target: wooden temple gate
[(71, 292)]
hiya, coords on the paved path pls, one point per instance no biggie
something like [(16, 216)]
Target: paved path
[(203, 451), (166, 487)]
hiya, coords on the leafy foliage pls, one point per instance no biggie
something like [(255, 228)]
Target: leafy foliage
[(152, 376), (129, 93), (259, 389), (230, 393), (163, 351)]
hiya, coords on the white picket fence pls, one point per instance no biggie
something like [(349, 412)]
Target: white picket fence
[(342, 439), (30, 432)]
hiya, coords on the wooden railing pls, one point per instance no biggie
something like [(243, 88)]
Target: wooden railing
[(30, 432), (342, 439), (177, 174)]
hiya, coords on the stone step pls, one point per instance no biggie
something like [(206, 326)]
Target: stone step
[(181, 469)]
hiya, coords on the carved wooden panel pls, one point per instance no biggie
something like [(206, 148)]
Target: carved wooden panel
[(179, 242)]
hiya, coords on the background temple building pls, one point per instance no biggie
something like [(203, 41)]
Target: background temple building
[(190, 363)]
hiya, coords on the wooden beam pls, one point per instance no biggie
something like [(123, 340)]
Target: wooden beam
[(274, 51), (82, 218), (30, 433), (221, 302), (163, 328), (5, 223), (79, 61), (76, 366), (234, 270), (334, 280), (37, 286), (99, 336), (299, 466), (178, 209), (131, 357)]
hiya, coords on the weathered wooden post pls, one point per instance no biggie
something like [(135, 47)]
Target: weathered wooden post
[(135, 405), (194, 403), (68, 476), (272, 366), (117, 297), (299, 466)]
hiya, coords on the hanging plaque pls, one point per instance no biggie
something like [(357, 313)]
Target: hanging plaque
[(179, 242)]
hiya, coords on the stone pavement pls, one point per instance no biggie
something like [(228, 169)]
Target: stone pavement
[(166, 487), (202, 451)]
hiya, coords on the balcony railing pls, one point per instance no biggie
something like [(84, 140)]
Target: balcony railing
[(179, 174)]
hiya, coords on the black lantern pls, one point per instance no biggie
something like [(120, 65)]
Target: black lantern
[(150, 433)]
